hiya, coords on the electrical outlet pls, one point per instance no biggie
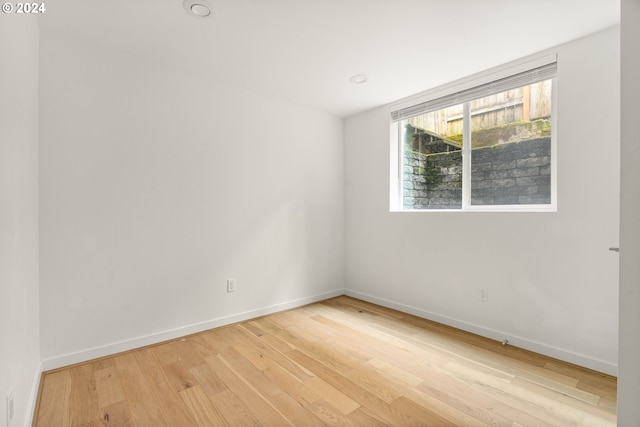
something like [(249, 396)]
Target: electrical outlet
[(10, 407), (231, 285), (484, 294)]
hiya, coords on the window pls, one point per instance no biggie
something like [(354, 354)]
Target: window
[(490, 146)]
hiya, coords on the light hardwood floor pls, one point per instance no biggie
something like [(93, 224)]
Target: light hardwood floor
[(340, 362)]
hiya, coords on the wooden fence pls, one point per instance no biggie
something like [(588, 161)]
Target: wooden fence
[(527, 103)]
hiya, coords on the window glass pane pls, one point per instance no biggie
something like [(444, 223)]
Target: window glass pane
[(432, 159), (511, 147)]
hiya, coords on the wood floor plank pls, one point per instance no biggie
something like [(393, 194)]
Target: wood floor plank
[(442, 407), (295, 387), (246, 393), (392, 371), (516, 388), (82, 395), (277, 343), (104, 363), (206, 378), (375, 384), (445, 409), (170, 405), (590, 381), (332, 395), (259, 351), (364, 417), (201, 409), (186, 355), (423, 415), (219, 340), (349, 327), (329, 415), (199, 345), (354, 391), (339, 362), (143, 408), (116, 415), (179, 376), (377, 342), (235, 410), (249, 361), (108, 387), (166, 353), (328, 353), (265, 325), (53, 409), (588, 412), (296, 412), (478, 406)]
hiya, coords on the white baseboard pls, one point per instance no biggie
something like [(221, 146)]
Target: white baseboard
[(33, 396), (555, 352), (118, 347)]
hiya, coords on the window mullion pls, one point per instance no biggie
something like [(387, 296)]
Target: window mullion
[(401, 138), (466, 155)]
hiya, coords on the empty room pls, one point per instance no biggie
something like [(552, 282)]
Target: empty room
[(319, 213)]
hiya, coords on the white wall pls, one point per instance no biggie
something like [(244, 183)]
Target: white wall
[(19, 327), (553, 284), (157, 185), (629, 379)]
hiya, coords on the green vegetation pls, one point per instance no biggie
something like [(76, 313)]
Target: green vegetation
[(496, 135)]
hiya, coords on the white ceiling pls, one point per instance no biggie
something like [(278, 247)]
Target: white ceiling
[(306, 50)]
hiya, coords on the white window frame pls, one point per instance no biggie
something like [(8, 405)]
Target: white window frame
[(396, 153)]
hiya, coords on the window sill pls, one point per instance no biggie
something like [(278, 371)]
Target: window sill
[(493, 209)]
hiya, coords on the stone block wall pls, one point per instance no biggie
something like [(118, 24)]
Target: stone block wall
[(506, 174), (433, 181)]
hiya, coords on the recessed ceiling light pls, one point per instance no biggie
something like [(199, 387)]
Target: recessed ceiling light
[(200, 10), (359, 78), (197, 8)]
